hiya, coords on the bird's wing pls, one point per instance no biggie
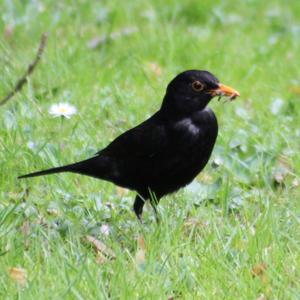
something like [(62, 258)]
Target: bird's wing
[(143, 141)]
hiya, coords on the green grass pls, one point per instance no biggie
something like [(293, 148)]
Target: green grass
[(233, 218)]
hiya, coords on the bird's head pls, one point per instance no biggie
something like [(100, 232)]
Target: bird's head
[(192, 90)]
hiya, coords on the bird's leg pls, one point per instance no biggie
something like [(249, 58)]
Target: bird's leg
[(138, 206)]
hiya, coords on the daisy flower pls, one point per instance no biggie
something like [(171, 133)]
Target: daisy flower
[(105, 229), (62, 110)]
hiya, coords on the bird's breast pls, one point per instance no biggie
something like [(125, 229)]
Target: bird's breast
[(201, 124), (191, 141), (195, 136), (187, 125)]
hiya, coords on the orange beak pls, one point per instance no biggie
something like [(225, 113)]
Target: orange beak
[(224, 90)]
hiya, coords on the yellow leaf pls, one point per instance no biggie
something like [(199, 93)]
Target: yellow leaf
[(261, 297), (140, 255), (295, 90), (19, 275), (100, 258), (101, 247), (259, 270), (121, 192), (53, 211), (155, 68), (205, 178), (26, 233), (295, 183), (8, 31), (194, 222)]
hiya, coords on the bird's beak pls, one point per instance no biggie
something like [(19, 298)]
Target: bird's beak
[(224, 90)]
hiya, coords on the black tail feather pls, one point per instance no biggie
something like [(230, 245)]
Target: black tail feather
[(47, 172), (95, 167)]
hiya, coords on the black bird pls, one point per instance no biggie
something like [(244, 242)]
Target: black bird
[(165, 152)]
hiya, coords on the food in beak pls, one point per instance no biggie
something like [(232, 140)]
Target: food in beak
[(224, 90)]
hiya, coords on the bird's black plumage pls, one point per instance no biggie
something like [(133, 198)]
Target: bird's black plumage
[(168, 150)]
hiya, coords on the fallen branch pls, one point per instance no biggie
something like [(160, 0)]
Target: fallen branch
[(20, 83)]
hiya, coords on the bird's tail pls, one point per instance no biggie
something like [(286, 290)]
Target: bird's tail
[(76, 168)]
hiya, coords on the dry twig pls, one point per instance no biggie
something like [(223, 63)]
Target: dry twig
[(30, 69)]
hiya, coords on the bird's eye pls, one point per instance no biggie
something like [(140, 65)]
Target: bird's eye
[(197, 86)]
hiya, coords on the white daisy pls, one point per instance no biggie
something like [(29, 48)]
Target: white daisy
[(105, 229), (62, 110), (31, 145)]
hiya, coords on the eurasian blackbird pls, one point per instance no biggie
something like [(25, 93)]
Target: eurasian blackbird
[(168, 150)]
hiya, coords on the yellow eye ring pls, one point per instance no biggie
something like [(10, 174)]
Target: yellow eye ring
[(197, 86)]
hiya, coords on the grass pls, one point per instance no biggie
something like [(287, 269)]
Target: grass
[(233, 234)]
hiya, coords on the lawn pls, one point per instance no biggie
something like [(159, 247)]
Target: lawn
[(232, 234)]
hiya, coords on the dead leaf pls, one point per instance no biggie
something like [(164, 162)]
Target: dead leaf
[(285, 162), (121, 192), (194, 222), (101, 247), (279, 177), (140, 255), (205, 178), (259, 270), (8, 31), (282, 170), (295, 183), (101, 259), (261, 297), (52, 211), (25, 228), (155, 68), (295, 90), (19, 275), (26, 232)]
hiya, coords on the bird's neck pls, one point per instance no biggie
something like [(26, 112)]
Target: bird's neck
[(173, 109)]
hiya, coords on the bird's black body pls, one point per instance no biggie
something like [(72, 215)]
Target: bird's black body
[(165, 152)]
